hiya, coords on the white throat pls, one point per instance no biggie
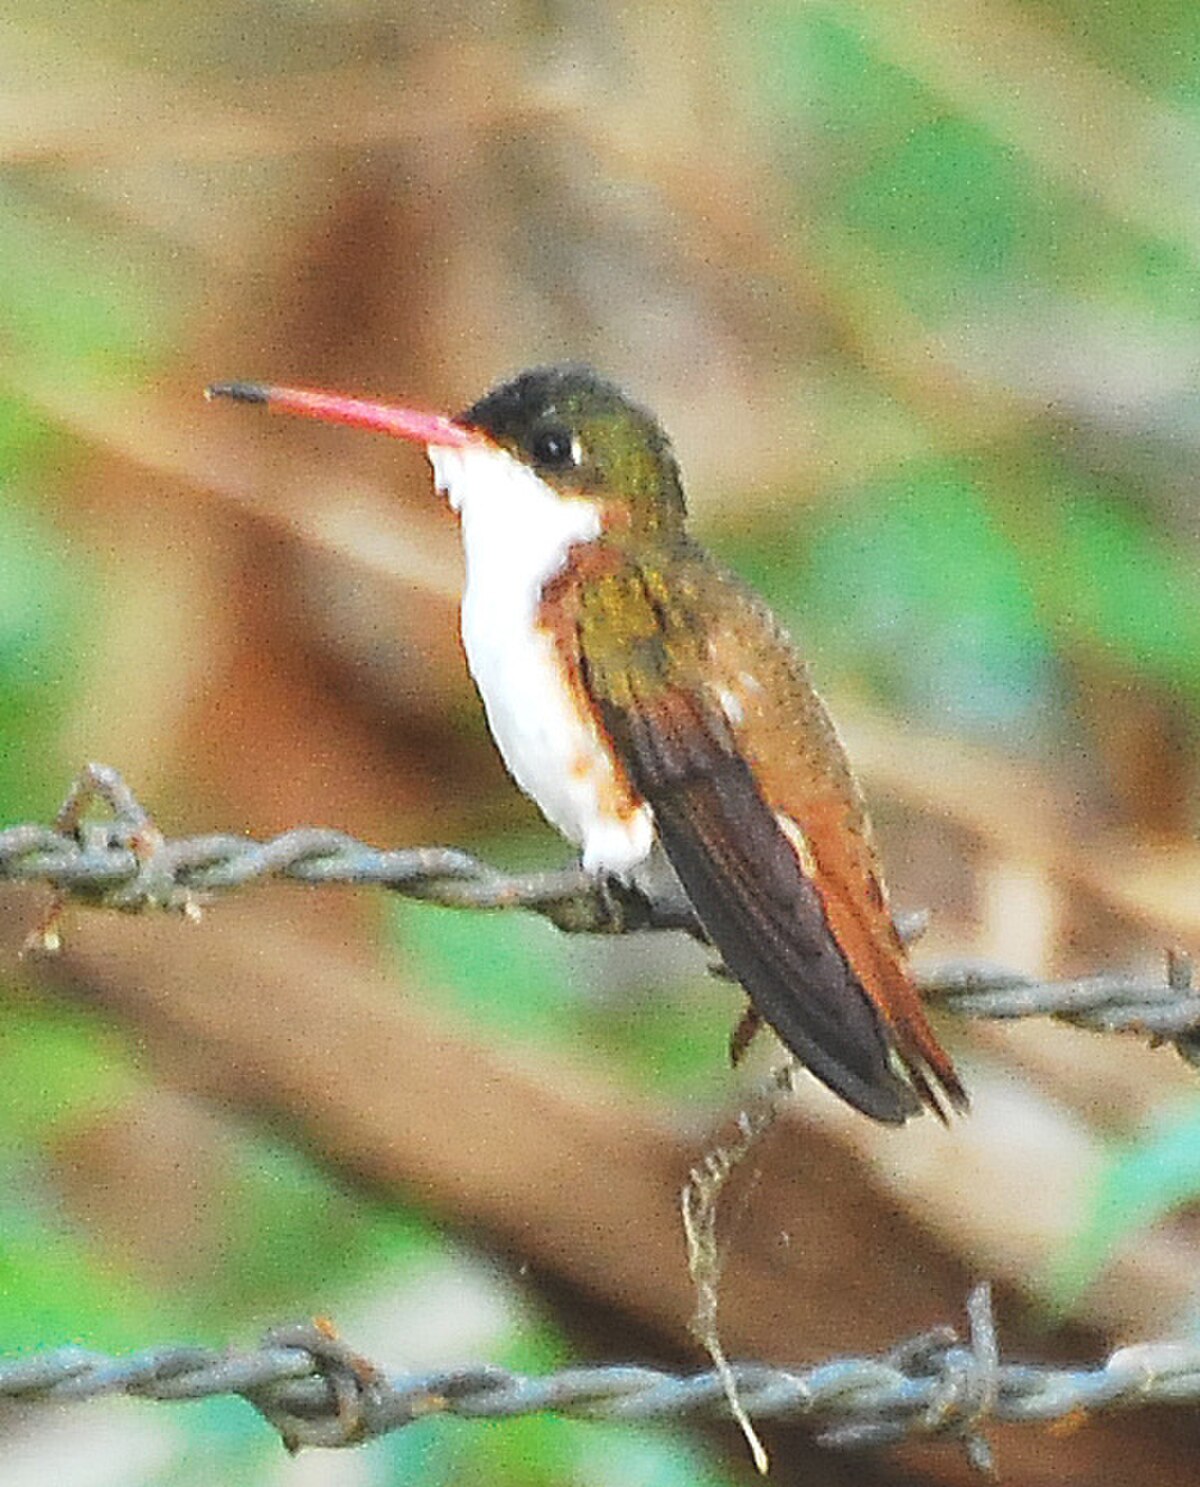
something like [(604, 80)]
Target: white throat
[(511, 519), (517, 533)]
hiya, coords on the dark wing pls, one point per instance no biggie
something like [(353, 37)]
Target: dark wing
[(642, 660), (780, 725), (758, 907)]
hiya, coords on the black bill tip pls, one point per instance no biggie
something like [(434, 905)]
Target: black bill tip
[(239, 392)]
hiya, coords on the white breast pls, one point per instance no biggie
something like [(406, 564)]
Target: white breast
[(517, 532)]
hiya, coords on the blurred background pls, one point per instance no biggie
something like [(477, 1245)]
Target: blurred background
[(916, 290)]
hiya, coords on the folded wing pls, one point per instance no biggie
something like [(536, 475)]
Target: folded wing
[(660, 682)]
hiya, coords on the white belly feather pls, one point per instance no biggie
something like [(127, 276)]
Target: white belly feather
[(517, 532)]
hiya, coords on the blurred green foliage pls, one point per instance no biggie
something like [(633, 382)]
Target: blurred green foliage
[(1039, 550), (1141, 1182), (40, 606), (521, 978), (915, 553), (77, 301)]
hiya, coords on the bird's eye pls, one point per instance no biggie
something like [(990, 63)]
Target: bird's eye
[(556, 448)]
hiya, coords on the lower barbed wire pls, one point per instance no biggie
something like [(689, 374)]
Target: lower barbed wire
[(318, 1393)]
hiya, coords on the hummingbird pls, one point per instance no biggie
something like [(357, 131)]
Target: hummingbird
[(648, 701)]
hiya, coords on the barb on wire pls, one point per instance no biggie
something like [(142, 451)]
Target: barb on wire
[(124, 862), (316, 1392)]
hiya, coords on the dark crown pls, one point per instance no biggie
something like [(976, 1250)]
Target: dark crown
[(584, 436)]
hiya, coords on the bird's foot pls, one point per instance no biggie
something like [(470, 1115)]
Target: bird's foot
[(743, 1035)]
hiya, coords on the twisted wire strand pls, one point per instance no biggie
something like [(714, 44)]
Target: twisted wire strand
[(125, 863), (316, 1392)]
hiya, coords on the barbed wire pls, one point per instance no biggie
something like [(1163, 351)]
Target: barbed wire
[(1165, 1010), (317, 1393), (125, 863)]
